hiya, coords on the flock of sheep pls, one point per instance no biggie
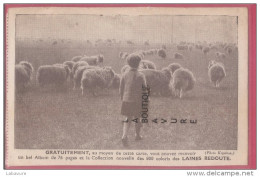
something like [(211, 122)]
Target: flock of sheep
[(88, 74)]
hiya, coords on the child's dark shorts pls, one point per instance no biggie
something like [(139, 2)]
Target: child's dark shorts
[(131, 109)]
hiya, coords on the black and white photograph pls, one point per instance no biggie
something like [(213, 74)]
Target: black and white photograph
[(137, 81), (68, 72)]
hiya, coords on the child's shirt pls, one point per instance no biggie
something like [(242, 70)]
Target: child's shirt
[(131, 85)]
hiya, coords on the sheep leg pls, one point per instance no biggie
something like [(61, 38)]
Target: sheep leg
[(217, 83), (93, 92), (177, 92), (82, 91), (106, 91), (126, 125), (181, 93), (74, 88)]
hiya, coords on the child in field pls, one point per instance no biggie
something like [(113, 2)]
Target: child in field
[(130, 89)]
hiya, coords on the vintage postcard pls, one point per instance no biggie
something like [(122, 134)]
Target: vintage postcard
[(126, 86)]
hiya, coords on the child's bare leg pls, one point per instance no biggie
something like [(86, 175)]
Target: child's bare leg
[(126, 126), (138, 126)]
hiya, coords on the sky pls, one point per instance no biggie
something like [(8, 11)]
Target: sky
[(137, 28)]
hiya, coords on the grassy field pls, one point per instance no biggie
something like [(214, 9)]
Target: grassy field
[(50, 119)]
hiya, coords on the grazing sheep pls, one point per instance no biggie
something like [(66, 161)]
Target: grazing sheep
[(205, 50), (178, 56), (182, 47), (173, 67), (213, 47), (120, 55), (100, 58), (216, 72), (198, 46), (140, 53), (229, 50), (162, 53), (28, 66), (125, 68), (146, 43), (158, 81), (78, 75), (96, 78), (70, 64), (164, 46), (23, 75), (52, 75), (77, 65), (93, 60), (182, 81), (76, 58), (129, 42), (220, 55), (146, 64), (68, 71), (149, 52), (123, 55)]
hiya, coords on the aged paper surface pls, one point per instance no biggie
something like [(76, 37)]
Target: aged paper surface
[(51, 123)]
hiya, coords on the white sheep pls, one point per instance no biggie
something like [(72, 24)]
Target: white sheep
[(78, 75), (181, 82), (173, 67), (23, 75), (155, 51), (205, 50), (182, 47), (116, 81), (198, 46), (52, 75), (125, 68), (149, 52), (28, 66), (120, 55), (158, 81), (220, 55), (69, 64), (164, 46), (123, 55), (216, 72), (178, 55), (229, 50), (77, 65), (162, 53), (76, 58), (140, 53), (93, 60), (213, 47), (92, 79), (144, 64)]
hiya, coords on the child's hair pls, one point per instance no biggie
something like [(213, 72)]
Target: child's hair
[(133, 60)]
